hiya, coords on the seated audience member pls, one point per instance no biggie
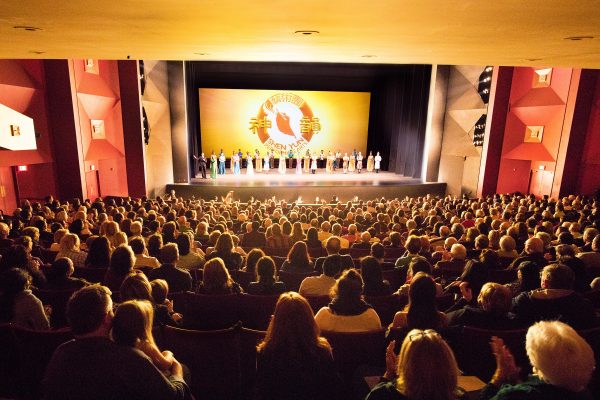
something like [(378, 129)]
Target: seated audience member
[(59, 276), (336, 230), (556, 300), (164, 312), (298, 260), (155, 243), (293, 361), (490, 259), (93, 367), (565, 255), (347, 311), (528, 278), (418, 264), (352, 235), (421, 311), (492, 311), (18, 305), (312, 239), (179, 280), (562, 360), (378, 251), (253, 256), (188, 258), (266, 283), (224, 249), (591, 258), (413, 247), (69, 247), (132, 327), (469, 284), (321, 285), (121, 265), (508, 247), (425, 369), (58, 235), (201, 233), (297, 234), (456, 265), (324, 233), (99, 253), (364, 242), (333, 247), (141, 260), (18, 256), (137, 287), (5, 241), (253, 238), (374, 285), (216, 279), (534, 251)]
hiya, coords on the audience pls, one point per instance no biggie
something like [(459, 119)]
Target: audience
[(266, 283), (321, 285), (121, 265), (18, 305), (216, 279), (298, 260), (59, 276), (179, 280), (371, 273)]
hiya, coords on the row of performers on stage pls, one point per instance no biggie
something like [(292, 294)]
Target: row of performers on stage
[(306, 163)]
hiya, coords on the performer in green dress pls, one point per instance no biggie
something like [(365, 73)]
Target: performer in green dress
[(213, 165)]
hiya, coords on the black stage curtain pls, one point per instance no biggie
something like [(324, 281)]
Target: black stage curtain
[(399, 99)]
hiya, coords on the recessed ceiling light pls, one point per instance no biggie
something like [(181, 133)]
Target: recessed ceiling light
[(36, 52), (368, 56), (27, 28), (201, 54), (533, 59), (306, 33), (576, 38)]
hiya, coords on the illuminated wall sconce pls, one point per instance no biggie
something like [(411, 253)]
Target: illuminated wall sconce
[(22, 168), (533, 134), (92, 167), (15, 130), (98, 129), (91, 66), (542, 77)]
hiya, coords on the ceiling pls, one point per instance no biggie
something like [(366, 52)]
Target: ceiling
[(511, 32)]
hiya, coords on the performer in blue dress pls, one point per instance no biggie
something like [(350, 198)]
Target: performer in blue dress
[(236, 164), (222, 163)]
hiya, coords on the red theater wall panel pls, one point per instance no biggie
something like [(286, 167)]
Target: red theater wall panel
[(534, 129), (589, 172)]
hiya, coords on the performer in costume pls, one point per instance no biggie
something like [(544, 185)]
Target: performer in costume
[(377, 163), (267, 158), (222, 163), (213, 165), (352, 163), (290, 156), (232, 163), (338, 160), (282, 162), (249, 166), (359, 159), (258, 160), (329, 163), (321, 159), (201, 165), (307, 162), (241, 156), (313, 164), (235, 160), (298, 164), (370, 162), (346, 160)]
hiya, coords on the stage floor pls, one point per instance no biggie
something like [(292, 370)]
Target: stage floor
[(308, 187)]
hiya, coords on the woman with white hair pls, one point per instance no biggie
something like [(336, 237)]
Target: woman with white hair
[(69, 248), (562, 361)]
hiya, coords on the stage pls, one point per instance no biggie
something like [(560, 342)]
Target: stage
[(291, 186)]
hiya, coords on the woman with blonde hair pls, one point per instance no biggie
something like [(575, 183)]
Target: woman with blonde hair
[(216, 279), (297, 233), (294, 361), (277, 240), (132, 326), (225, 250), (425, 369), (69, 248)]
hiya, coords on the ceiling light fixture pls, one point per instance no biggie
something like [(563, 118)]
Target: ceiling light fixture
[(306, 32), (577, 38), (36, 52), (369, 56), (27, 28), (201, 54)]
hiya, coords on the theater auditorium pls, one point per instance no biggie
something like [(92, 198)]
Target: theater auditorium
[(300, 200)]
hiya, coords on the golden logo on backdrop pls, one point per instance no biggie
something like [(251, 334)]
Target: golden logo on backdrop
[(285, 122)]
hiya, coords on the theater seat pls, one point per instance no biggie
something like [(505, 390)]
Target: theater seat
[(243, 278), (35, 348), (9, 362), (47, 256), (207, 311), (256, 311), (211, 356), (386, 306), (92, 275), (395, 277), (318, 302), (249, 339), (293, 280), (351, 350), (502, 276)]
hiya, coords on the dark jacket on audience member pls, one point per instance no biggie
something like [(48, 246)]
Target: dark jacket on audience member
[(298, 269), (96, 368), (179, 280), (254, 239), (66, 283), (345, 259), (532, 389), (266, 288), (555, 304), (478, 318)]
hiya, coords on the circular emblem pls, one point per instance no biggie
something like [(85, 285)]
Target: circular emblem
[(285, 122)]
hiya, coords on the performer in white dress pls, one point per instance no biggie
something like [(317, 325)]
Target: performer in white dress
[(359, 159), (377, 163), (307, 162), (346, 161), (282, 162), (313, 163), (352, 163), (249, 166), (330, 160), (266, 166), (258, 159), (298, 163)]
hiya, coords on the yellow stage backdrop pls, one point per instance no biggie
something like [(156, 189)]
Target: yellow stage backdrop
[(280, 120)]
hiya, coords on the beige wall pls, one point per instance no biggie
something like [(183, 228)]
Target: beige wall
[(460, 160), (159, 157)]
